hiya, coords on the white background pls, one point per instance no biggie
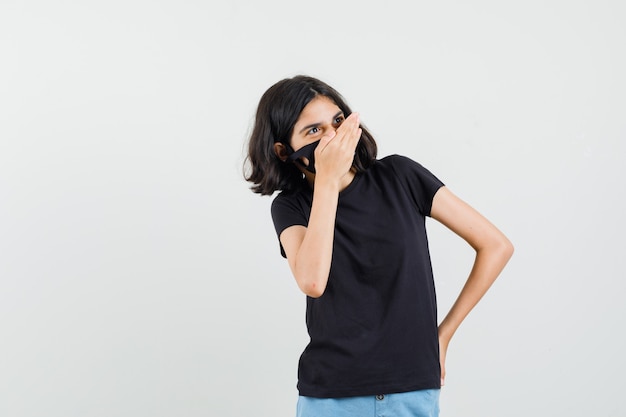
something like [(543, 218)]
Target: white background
[(139, 275)]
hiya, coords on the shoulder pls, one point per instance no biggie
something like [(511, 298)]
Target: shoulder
[(284, 198), (405, 170), (397, 160), (416, 179), (400, 164), (291, 200)]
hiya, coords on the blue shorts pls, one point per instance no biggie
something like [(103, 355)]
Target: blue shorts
[(422, 403)]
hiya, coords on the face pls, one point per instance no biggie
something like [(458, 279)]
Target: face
[(318, 118)]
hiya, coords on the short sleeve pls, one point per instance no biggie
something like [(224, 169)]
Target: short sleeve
[(419, 182), (288, 210)]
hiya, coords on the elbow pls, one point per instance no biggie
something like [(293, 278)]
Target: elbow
[(509, 248), (312, 279), (506, 249), (499, 248), (313, 289)]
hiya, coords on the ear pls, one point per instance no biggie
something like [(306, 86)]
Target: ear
[(281, 151)]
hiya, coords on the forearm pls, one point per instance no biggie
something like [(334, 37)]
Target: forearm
[(312, 263), (488, 264)]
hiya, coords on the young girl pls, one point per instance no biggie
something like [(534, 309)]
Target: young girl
[(352, 228)]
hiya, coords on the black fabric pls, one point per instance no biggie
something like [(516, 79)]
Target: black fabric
[(374, 330)]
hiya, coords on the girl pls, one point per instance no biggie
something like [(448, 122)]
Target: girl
[(352, 228)]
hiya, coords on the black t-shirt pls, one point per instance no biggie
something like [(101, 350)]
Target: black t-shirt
[(374, 330)]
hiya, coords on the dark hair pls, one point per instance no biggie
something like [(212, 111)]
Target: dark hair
[(277, 113)]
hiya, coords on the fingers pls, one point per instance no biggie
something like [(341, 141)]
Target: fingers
[(346, 135), (443, 350), (335, 153), (350, 132), (442, 362), (351, 126), (326, 138)]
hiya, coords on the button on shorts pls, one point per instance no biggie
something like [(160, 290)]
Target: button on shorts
[(422, 403)]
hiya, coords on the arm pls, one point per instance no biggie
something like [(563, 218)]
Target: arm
[(493, 251), (309, 249)]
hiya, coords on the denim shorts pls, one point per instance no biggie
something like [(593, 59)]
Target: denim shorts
[(422, 403)]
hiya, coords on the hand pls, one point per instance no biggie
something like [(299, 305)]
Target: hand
[(443, 350), (335, 153)]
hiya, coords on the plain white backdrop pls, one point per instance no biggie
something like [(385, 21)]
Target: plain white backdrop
[(139, 275)]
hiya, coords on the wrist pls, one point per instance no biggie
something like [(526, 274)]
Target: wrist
[(326, 182), (445, 331)]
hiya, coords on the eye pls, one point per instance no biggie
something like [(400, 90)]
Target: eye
[(339, 120), (313, 130)]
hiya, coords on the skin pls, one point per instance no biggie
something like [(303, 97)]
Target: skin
[(309, 249)]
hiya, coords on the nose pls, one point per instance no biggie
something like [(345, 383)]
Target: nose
[(330, 128)]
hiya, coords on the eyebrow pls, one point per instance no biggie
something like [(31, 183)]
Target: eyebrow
[(305, 128)]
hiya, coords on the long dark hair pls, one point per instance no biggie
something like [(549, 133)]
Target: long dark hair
[(277, 113)]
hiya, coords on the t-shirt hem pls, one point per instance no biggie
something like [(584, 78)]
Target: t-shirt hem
[(358, 392)]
